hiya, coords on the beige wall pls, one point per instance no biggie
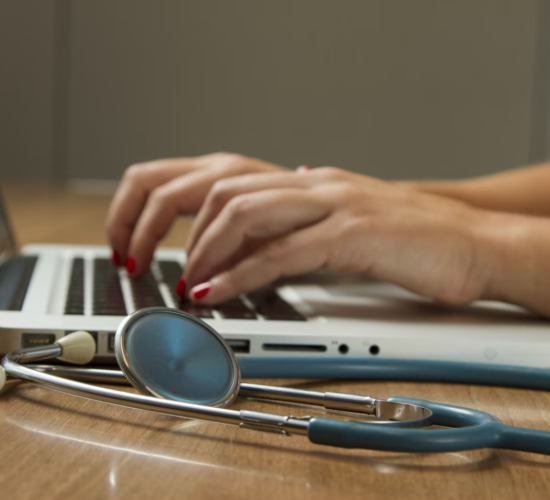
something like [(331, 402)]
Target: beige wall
[(395, 89)]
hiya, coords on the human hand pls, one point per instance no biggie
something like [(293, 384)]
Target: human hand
[(253, 229), (151, 195)]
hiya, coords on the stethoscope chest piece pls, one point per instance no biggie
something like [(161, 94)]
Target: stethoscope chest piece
[(165, 353)]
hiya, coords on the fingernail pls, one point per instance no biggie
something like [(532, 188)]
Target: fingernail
[(180, 288), (201, 290), (115, 258), (303, 168), (130, 265)]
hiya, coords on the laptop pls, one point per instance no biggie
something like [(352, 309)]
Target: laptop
[(48, 291)]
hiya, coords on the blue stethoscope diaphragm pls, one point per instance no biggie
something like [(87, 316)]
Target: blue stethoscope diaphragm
[(168, 355)]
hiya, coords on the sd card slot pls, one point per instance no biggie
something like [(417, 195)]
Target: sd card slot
[(294, 347)]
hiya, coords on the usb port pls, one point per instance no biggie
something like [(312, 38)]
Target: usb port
[(239, 346)]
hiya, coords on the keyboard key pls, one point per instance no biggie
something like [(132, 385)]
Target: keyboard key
[(107, 292), (75, 291), (272, 307), (196, 310), (145, 291), (171, 272), (235, 309)]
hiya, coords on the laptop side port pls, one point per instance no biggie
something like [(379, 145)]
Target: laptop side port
[(111, 342), (36, 339), (294, 347), (239, 346)]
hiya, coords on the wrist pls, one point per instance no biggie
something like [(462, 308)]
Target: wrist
[(516, 252)]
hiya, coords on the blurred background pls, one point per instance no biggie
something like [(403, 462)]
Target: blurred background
[(400, 89)]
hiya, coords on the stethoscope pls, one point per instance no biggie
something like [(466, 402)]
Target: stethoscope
[(183, 367)]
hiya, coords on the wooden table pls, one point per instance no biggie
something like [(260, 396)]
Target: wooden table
[(58, 446)]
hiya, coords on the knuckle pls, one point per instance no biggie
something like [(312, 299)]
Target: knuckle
[(138, 173), (232, 281), (158, 196), (239, 207), (347, 191), (161, 199), (233, 163), (357, 225), (134, 172), (343, 193), (332, 173), (276, 252), (220, 192)]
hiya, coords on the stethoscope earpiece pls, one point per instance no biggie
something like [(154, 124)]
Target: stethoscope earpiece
[(77, 348)]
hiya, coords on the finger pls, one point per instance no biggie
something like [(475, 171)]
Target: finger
[(300, 252), (139, 181), (182, 195), (226, 189), (258, 215), (131, 196)]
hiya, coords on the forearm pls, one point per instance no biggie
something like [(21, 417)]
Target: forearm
[(525, 190), (520, 265)]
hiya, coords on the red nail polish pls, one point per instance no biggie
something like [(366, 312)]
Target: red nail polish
[(115, 258), (303, 168), (180, 288), (201, 290), (130, 265)]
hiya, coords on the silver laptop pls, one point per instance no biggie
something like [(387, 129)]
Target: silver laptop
[(47, 291)]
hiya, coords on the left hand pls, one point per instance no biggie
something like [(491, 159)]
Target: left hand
[(253, 229)]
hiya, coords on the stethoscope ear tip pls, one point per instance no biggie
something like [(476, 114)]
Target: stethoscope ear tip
[(77, 348)]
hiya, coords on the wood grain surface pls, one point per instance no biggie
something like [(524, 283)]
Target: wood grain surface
[(55, 446)]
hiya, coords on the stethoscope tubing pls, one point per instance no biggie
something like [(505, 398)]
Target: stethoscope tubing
[(412, 370), (472, 429)]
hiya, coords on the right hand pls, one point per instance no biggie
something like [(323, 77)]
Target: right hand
[(338, 221), (151, 195)]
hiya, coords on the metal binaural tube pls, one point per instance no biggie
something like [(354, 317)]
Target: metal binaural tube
[(35, 353), (261, 421), (407, 415)]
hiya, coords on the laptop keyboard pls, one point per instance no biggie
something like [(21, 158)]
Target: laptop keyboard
[(108, 298)]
